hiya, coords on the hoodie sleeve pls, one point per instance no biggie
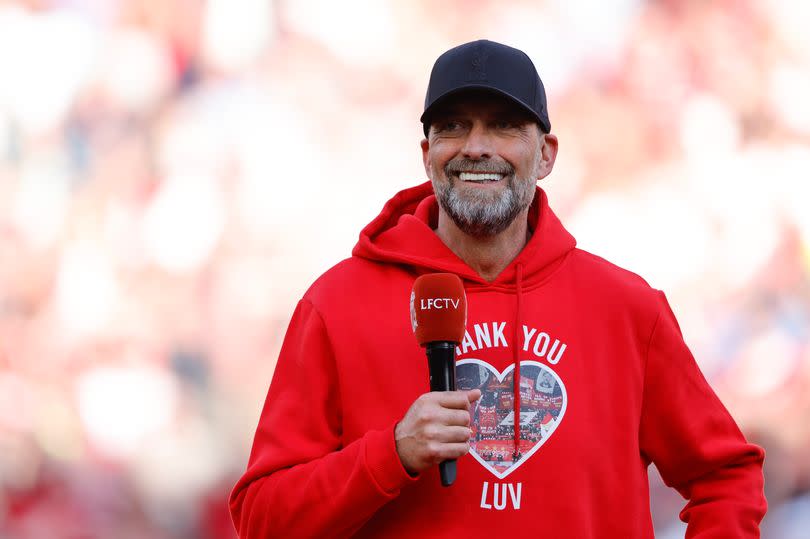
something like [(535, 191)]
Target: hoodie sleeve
[(696, 445), (300, 480)]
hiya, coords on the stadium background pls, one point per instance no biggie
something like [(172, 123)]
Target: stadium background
[(174, 174)]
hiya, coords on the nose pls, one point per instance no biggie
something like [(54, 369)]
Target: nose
[(478, 143)]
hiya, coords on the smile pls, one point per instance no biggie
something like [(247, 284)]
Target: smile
[(479, 177)]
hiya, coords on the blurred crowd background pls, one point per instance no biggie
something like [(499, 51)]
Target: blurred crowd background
[(174, 174)]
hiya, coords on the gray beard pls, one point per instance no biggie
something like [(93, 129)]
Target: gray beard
[(480, 213)]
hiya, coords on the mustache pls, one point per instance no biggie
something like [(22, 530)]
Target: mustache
[(456, 166)]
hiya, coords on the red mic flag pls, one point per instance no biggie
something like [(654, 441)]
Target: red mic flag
[(438, 308)]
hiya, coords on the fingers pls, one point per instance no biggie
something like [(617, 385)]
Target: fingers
[(448, 434), (439, 416), (440, 452), (458, 399), (435, 428), (453, 417)]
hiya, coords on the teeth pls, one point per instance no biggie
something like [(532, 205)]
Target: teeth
[(473, 177)]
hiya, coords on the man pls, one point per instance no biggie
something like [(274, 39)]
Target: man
[(349, 437)]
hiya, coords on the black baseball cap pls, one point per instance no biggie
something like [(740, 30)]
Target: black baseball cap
[(488, 66)]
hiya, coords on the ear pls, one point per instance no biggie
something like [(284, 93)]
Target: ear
[(548, 155), (426, 157)]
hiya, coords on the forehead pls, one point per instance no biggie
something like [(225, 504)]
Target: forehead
[(480, 103)]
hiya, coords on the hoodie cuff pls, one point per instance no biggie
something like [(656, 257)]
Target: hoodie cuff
[(383, 462)]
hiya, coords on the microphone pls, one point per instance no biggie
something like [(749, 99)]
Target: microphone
[(438, 319)]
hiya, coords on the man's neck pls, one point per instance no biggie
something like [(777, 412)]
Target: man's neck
[(488, 256)]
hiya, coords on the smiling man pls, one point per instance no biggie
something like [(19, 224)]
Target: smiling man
[(484, 155), (349, 438)]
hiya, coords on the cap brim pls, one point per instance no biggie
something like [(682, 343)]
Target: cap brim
[(442, 99)]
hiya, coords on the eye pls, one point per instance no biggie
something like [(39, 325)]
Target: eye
[(507, 124), (448, 126)]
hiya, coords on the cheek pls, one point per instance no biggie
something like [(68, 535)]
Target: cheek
[(535, 165), (437, 159), (531, 163)]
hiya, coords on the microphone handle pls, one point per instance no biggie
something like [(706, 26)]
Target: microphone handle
[(442, 364)]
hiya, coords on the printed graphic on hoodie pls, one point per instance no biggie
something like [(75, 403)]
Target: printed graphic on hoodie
[(543, 402)]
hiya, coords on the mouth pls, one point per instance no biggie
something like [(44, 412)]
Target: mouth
[(480, 177)]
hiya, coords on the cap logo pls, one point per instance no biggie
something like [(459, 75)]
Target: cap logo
[(478, 64)]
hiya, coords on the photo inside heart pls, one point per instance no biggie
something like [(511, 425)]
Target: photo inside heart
[(542, 406)]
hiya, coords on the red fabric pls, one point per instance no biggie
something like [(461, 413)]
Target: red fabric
[(610, 387)]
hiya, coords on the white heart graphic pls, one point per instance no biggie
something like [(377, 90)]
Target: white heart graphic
[(543, 402)]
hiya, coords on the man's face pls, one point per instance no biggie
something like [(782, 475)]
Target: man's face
[(484, 155)]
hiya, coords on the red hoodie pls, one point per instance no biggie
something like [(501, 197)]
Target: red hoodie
[(606, 386)]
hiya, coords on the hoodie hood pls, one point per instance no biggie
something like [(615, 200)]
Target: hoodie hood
[(403, 233)]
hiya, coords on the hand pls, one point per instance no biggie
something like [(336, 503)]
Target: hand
[(435, 428)]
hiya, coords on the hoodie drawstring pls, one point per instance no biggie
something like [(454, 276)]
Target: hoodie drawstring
[(516, 361)]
